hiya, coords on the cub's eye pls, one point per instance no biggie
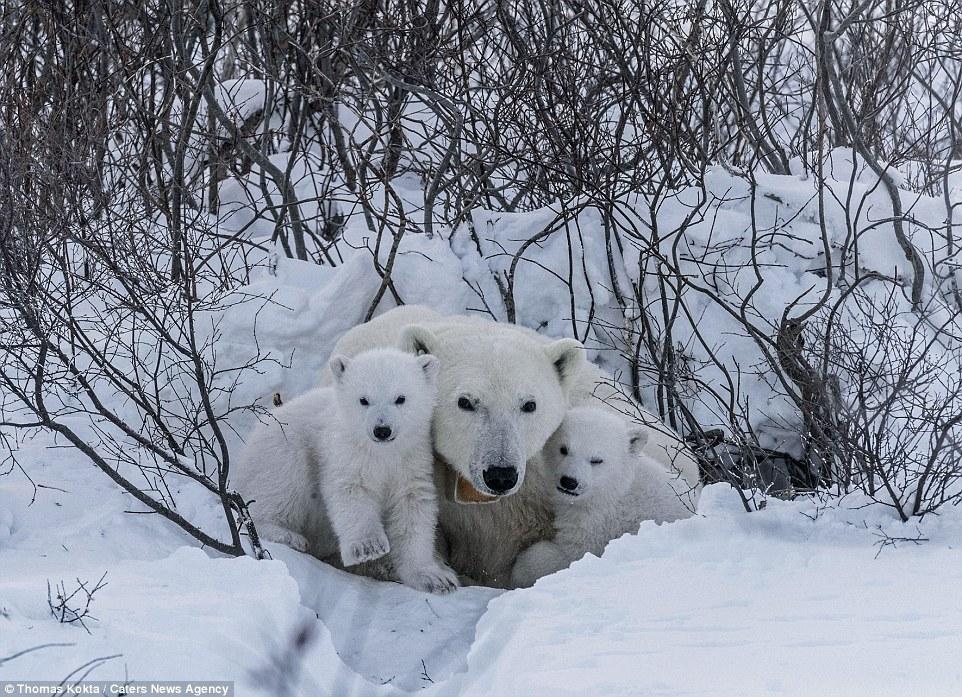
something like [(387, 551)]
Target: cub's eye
[(364, 402), (564, 450), (596, 461), (529, 406), (465, 403), (400, 400)]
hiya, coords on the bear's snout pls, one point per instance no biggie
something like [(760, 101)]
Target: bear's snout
[(500, 479), (569, 483), (382, 433)]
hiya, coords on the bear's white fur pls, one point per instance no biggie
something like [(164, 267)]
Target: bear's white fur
[(601, 487), (348, 469), (499, 371), (498, 368)]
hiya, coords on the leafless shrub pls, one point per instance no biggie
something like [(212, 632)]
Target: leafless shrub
[(74, 606), (23, 652), (123, 123)]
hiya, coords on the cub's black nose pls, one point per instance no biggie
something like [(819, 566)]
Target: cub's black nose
[(500, 479), (382, 432), (569, 483)]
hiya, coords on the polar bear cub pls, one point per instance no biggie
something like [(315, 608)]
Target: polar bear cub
[(348, 469), (601, 487)]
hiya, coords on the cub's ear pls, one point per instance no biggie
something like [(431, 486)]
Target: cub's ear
[(568, 358), (430, 365), (637, 439), (338, 366), (417, 340)]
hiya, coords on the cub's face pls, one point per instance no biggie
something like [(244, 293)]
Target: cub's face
[(386, 395), (591, 452)]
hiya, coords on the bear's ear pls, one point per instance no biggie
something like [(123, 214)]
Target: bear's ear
[(338, 366), (637, 439), (568, 357), (417, 340), (430, 365)]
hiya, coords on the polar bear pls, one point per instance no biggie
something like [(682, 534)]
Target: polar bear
[(602, 487), (502, 391), (348, 469)]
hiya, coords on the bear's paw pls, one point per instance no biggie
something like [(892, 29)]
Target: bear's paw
[(438, 580), (365, 549)]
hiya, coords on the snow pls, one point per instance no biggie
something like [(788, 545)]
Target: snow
[(241, 99), (798, 599), (791, 600), (171, 611)]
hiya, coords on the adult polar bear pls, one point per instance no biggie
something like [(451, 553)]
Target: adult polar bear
[(502, 392)]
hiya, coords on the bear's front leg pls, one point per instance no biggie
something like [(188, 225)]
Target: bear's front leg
[(281, 535), (412, 527), (540, 559), (356, 519)]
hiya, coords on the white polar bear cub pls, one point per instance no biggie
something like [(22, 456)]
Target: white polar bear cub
[(601, 487), (349, 469)]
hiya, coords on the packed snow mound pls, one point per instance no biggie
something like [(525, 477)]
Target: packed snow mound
[(750, 246), (794, 600), (174, 612), (725, 603)]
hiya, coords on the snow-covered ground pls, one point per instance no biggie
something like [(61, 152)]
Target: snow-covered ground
[(170, 611), (797, 599)]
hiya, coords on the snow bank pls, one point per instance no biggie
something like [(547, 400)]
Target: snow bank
[(789, 601), (173, 612), (565, 280)]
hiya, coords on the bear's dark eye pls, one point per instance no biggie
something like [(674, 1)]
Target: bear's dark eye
[(529, 406), (564, 449), (364, 402), (596, 461), (400, 400), (465, 403)]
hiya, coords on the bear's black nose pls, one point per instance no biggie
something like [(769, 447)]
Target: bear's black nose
[(500, 479), (382, 432), (569, 483)]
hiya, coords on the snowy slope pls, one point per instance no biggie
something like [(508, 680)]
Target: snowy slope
[(170, 611), (562, 279), (790, 600)]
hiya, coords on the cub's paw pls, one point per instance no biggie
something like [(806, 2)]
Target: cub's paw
[(275, 533), (298, 542), (438, 579), (365, 549)]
